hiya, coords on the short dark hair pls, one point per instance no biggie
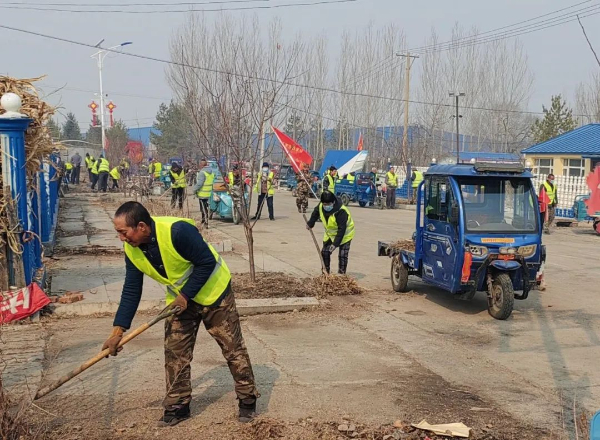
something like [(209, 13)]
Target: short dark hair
[(550, 175), (134, 213), (328, 197)]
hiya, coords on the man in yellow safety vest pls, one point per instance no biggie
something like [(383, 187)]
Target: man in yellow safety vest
[(103, 167), (329, 179), (391, 182), (416, 178), (178, 184), (339, 229), (551, 191), (266, 190), (89, 164), (203, 188), (115, 175), (172, 251)]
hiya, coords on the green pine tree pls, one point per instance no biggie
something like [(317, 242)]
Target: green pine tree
[(54, 130), (70, 129), (558, 119), (175, 138)]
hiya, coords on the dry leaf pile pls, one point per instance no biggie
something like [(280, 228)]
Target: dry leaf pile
[(280, 285), (407, 245)]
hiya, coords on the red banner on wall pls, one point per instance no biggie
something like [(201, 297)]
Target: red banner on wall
[(294, 152), (22, 303)]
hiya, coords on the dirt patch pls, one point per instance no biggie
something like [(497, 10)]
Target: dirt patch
[(280, 285)]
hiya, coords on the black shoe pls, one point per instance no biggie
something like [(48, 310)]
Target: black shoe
[(247, 410), (272, 218), (254, 218), (172, 417)]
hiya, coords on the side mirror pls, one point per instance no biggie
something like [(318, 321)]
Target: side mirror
[(454, 214)]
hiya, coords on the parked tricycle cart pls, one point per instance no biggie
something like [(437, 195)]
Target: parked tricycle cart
[(477, 229)]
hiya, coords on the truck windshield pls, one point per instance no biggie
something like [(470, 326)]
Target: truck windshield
[(499, 205)]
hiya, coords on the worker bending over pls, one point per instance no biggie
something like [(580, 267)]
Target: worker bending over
[(171, 251), (339, 229)]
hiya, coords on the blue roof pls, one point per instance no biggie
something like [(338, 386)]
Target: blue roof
[(142, 134), (583, 140)]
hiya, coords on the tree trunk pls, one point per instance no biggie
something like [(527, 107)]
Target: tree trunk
[(250, 242)]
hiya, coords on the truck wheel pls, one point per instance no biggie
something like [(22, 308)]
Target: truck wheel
[(597, 226), (345, 199), (235, 215), (362, 204), (380, 203), (399, 275), (502, 297)]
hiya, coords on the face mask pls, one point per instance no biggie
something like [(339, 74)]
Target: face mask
[(327, 208), (265, 170)]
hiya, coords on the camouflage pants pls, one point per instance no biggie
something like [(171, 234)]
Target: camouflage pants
[(223, 324), (551, 216), (302, 202)]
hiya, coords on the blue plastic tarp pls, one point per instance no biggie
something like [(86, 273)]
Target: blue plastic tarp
[(337, 158)]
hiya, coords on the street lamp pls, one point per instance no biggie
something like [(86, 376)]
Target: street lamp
[(100, 55), (457, 95)]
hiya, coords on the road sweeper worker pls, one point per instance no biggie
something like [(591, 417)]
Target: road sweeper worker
[(416, 179), (171, 251), (339, 229), (329, 180)]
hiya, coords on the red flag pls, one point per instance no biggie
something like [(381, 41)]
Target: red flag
[(22, 303), (294, 152), (593, 181), (360, 143), (543, 200)]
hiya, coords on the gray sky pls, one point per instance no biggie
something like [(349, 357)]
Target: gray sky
[(559, 57)]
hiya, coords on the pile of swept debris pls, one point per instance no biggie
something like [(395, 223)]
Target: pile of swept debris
[(281, 285)]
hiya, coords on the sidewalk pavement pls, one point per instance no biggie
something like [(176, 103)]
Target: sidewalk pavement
[(89, 260)]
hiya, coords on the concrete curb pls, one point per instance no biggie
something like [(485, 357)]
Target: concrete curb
[(245, 307), (407, 207), (223, 246)]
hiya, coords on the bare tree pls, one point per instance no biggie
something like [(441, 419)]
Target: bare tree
[(232, 102)]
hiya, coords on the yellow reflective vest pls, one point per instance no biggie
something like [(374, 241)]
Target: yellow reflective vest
[(206, 190), (179, 269), (89, 161), (103, 165), (351, 178), (179, 179), (418, 179), (392, 179), (115, 174), (331, 226), (95, 166), (551, 191), (157, 169), (270, 187), (330, 183), (68, 166)]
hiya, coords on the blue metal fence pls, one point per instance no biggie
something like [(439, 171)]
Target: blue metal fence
[(35, 200)]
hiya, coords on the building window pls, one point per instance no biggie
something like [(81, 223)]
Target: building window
[(544, 166), (574, 167)]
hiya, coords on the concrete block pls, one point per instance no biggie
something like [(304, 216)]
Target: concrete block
[(73, 242), (72, 226), (218, 246), (227, 246), (70, 297)]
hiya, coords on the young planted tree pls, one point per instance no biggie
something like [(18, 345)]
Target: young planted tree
[(231, 103)]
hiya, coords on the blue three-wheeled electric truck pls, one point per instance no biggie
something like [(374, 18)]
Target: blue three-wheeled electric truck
[(477, 229)]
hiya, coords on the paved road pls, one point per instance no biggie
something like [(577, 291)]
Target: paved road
[(551, 342)]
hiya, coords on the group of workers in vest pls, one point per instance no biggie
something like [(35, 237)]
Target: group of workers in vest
[(99, 171)]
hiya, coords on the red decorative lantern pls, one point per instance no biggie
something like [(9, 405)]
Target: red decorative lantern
[(94, 107), (110, 106)]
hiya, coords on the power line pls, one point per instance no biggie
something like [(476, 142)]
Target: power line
[(500, 28), (77, 89), (545, 24), (257, 78), (127, 5), (163, 11)]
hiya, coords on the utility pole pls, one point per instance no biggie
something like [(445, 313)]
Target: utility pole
[(409, 60), (457, 95)]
